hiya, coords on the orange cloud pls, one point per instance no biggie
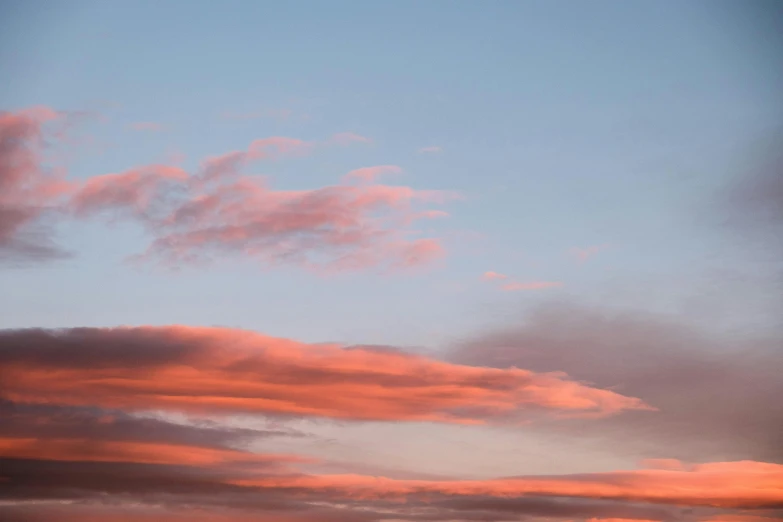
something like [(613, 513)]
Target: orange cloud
[(743, 484), (739, 518), (514, 286), (217, 370)]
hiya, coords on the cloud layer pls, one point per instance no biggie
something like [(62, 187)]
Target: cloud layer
[(78, 441)]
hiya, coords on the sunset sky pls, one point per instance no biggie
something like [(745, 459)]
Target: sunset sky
[(391, 261)]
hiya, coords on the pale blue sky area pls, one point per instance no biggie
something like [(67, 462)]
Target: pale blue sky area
[(563, 124)]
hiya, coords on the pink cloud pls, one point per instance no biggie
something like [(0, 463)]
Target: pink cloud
[(219, 211), (368, 174), (230, 164), (29, 187), (492, 276), (514, 286), (134, 191), (333, 228)]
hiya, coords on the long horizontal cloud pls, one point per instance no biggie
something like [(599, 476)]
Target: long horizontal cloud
[(716, 488), (743, 484), (222, 370)]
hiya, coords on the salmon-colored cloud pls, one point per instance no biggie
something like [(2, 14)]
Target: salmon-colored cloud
[(29, 187), (134, 191), (492, 276), (370, 174), (515, 286), (195, 217), (218, 211), (218, 370), (337, 227), (743, 484)]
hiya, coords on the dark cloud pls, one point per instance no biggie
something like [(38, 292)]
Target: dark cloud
[(718, 399), (63, 422)]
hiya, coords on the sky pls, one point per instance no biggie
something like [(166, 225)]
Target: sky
[(458, 261)]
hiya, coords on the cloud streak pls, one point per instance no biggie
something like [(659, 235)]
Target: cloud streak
[(743, 484), (212, 370)]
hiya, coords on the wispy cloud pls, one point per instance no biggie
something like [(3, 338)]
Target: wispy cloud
[(216, 209), (433, 149), (28, 189)]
